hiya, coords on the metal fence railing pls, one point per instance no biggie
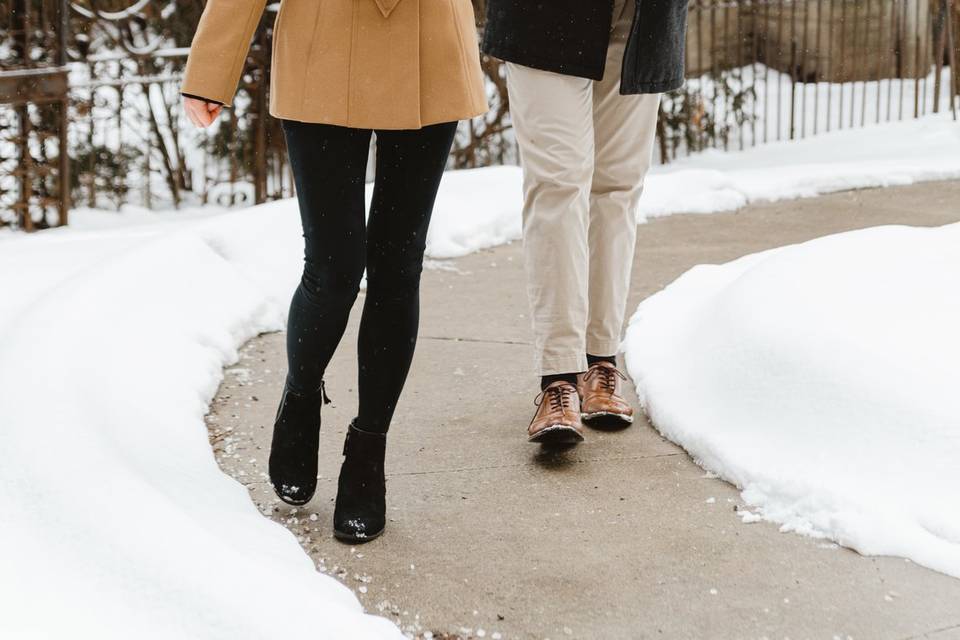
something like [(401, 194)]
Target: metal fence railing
[(131, 145), (769, 70), (34, 166), (116, 114)]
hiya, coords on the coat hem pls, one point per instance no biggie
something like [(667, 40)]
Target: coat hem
[(508, 54), (658, 86), (306, 116)]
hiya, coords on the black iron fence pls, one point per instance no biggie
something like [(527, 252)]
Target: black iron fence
[(130, 144), (34, 166), (89, 102), (768, 70)]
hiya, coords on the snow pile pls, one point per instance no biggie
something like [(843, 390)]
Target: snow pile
[(821, 379), (117, 522), (898, 153)]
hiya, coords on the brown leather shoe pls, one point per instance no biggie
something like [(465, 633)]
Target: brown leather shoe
[(601, 396), (557, 419)]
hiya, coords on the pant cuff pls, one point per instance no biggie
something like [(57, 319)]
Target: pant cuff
[(573, 363), (603, 347)]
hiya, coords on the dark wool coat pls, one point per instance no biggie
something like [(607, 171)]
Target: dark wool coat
[(571, 37)]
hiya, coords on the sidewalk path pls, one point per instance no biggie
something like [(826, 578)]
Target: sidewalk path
[(620, 537)]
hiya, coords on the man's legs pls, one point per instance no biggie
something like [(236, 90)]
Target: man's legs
[(553, 119), (624, 134)]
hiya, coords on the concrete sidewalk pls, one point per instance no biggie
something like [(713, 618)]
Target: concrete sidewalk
[(617, 538)]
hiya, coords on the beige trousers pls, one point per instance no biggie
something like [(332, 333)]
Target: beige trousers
[(585, 150)]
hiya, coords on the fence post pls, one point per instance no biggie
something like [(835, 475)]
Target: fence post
[(917, 69), (952, 59), (63, 21)]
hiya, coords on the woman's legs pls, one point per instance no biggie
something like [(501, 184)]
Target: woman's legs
[(410, 165), (329, 166)]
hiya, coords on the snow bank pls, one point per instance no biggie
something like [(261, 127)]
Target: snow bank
[(898, 153), (822, 379), (117, 522)]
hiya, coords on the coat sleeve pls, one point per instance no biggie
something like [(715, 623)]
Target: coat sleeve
[(220, 47)]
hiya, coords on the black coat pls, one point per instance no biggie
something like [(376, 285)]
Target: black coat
[(571, 37)]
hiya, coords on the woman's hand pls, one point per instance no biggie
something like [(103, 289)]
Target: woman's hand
[(200, 112)]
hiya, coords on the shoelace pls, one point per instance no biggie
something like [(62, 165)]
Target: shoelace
[(558, 397), (608, 377)]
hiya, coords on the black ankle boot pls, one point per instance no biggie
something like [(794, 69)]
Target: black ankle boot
[(361, 510), (296, 440)]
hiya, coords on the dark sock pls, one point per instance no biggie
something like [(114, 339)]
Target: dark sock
[(592, 360), (546, 381)]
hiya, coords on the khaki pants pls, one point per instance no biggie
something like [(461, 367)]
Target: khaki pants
[(585, 150)]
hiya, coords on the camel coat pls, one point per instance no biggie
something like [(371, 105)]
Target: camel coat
[(367, 64)]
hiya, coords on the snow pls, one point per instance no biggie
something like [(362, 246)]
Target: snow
[(898, 153), (821, 379), (117, 521)]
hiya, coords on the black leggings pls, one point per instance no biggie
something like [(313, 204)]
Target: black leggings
[(329, 167)]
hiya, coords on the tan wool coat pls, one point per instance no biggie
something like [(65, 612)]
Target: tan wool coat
[(368, 64)]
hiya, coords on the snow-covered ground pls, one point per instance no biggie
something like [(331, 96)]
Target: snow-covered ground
[(117, 522), (113, 335), (821, 379), (883, 155)]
